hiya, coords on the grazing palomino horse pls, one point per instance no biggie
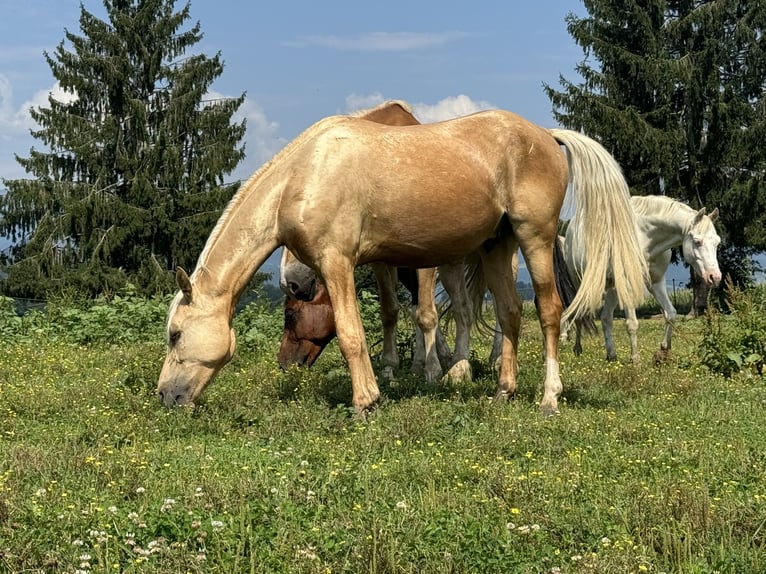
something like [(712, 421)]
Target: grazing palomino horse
[(309, 319), (663, 224), (348, 191)]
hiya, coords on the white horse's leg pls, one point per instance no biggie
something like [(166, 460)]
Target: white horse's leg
[(453, 279), (660, 292), (389, 315), (428, 321), (338, 273), (607, 322)]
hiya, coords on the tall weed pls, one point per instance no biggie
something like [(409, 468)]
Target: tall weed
[(737, 341)]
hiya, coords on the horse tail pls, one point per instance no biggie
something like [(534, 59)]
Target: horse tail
[(476, 288), (603, 228)]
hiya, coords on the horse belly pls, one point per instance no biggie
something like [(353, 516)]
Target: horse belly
[(422, 234)]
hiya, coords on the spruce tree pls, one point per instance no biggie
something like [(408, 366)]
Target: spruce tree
[(674, 88), (132, 179), (625, 97)]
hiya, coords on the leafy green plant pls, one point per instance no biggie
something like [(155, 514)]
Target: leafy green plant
[(737, 341), (125, 317)]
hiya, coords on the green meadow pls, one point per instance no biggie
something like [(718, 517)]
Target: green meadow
[(648, 468)]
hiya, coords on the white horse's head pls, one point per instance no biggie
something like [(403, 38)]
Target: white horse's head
[(297, 281), (700, 246), (200, 341)]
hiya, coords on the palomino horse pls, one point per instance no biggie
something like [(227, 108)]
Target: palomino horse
[(348, 191), (663, 224), (310, 323), (309, 319)]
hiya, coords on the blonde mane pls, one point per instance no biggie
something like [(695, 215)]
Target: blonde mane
[(243, 190)]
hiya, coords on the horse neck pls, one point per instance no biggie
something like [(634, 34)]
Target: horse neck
[(241, 241), (658, 233)]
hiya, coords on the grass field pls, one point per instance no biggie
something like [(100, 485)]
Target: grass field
[(646, 469)]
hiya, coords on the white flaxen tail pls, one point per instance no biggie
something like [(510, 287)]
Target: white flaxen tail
[(603, 228)]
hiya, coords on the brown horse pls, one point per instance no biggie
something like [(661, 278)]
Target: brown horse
[(309, 319), (310, 323), (349, 191)]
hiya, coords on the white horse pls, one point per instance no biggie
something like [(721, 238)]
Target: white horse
[(662, 224)]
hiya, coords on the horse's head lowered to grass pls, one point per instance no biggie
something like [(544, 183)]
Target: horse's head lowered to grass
[(200, 341), (309, 327)]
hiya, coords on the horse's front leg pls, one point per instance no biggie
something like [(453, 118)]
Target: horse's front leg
[(660, 292), (453, 279), (389, 315), (338, 274)]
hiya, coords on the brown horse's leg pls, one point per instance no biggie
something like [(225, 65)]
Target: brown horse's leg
[(497, 265), (338, 273), (453, 279), (389, 315), (538, 254), (428, 321)]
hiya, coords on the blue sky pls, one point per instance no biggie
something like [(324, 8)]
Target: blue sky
[(300, 61)]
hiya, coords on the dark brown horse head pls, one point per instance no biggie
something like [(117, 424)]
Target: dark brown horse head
[(309, 327)]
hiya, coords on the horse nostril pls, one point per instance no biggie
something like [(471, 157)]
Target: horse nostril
[(161, 396), (293, 287)]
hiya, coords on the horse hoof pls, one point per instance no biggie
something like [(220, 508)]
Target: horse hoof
[(387, 374), (502, 397), (660, 357), (549, 411), (459, 372), (433, 375)]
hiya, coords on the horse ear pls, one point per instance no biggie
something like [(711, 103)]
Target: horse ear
[(184, 283), (714, 214), (698, 216)]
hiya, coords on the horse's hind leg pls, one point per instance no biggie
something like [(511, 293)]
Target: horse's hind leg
[(497, 266), (428, 320), (338, 273), (389, 315), (631, 325), (607, 323), (453, 279), (539, 257)]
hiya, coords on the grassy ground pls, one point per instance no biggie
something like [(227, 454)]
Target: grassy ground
[(646, 469)]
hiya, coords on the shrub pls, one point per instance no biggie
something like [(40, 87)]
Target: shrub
[(737, 341)]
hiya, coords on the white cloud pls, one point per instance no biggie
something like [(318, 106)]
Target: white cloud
[(356, 102), (262, 138), (450, 107), (380, 41)]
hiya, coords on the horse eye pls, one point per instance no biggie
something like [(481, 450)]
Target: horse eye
[(697, 242), (174, 337)]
